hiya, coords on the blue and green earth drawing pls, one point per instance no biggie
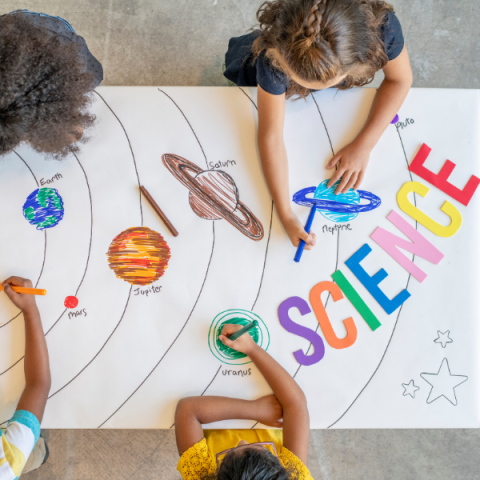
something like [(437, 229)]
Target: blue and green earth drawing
[(43, 208)]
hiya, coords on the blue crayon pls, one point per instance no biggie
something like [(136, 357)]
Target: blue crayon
[(308, 226)]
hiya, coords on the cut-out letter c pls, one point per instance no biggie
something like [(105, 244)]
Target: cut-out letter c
[(324, 321), (425, 220)]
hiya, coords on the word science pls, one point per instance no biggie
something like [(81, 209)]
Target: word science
[(391, 244)]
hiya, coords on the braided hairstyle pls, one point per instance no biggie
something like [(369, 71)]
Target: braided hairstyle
[(43, 89), (319, 40)]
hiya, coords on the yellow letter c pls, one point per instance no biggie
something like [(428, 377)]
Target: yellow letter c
[(425, 220)]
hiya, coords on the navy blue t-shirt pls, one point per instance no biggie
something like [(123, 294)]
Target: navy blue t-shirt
[(245, 72)]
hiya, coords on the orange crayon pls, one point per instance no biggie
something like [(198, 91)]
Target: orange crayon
[(30, 291)]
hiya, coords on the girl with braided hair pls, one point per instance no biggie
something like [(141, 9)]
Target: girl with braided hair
[(46, 75), (246, 454), (308, 45)]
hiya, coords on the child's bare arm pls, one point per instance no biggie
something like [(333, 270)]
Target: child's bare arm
[(193, 412), (296, 420), (36, 363), (271, 116), (353, 159)]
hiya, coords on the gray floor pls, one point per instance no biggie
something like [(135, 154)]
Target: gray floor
[(182, 42)]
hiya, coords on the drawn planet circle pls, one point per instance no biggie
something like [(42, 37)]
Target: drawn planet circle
[(71, 301), (214, 195), (43, 208), (337, 208), (350, 198), (228, 355), (396, 119), (139, 255)]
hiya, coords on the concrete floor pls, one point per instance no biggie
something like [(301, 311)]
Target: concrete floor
[(182, 42)]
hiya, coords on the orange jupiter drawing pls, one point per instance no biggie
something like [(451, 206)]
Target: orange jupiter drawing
[(139, 255)]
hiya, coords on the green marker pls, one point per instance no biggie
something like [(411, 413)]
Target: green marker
[(243, 330)]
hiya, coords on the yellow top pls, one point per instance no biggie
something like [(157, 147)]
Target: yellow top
[(199, 460)]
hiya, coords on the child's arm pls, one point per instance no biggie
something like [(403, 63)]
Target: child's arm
[(353, 159), (296, 420), (271, 116), (36, 364), (193, 412)]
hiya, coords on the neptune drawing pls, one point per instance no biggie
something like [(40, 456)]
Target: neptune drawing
[(337, 208)]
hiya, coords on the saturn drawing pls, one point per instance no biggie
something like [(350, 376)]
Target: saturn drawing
[(213, 195)]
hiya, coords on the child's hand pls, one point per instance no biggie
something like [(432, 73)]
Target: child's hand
[(296, 232), (23, 301), (268, 411), (352, 163), (244, 344)]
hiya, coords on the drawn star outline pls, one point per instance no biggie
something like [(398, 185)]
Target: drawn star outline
[(443, 383), (443, 338), (410, 388)]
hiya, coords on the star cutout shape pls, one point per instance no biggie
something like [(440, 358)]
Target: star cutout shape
[(443, 338), (443, 383), (410, 389)]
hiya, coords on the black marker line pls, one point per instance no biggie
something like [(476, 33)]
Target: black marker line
[(44, 250), (176, 338), (338, 231), (201, 289), (253, 103), (98, 353), (91, 224), (9, 368), (207, 385), (399, 312), (186, 119), (131, 150), (264, 262), (89, 245)]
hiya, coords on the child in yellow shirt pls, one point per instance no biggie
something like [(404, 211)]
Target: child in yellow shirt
[(246, 454)]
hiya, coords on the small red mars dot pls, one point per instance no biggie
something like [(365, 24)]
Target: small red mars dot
[(71, 301)]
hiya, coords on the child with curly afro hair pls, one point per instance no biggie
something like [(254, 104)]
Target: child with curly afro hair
[(46, 75)]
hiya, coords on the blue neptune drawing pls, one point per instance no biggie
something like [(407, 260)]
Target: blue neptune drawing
[(337, 208), (43, 208)]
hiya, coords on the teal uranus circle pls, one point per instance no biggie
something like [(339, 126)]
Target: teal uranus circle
[(239, 317), (350, 198)]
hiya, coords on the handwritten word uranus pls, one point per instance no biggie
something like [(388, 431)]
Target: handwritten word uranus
[(390, 243)]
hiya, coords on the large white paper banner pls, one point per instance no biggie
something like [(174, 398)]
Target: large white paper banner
[(142, 336)]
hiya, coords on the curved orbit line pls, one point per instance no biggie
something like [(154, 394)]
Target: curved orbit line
[(399, 312), (131, 150), (264, 263), (338, 238), (44, 254), (201, 289), (80, 284), (176, 338), (91, 228), (89, 245), (98, 353)]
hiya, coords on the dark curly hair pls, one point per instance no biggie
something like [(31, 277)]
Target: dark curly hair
[(252, 464), (43, 89), (322, 39)]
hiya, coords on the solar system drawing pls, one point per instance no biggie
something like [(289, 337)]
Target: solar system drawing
[(133, 314)]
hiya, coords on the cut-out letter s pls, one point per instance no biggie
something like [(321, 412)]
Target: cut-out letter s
[(290, 326)]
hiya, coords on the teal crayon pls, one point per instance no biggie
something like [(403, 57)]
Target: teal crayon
[(243, 330)]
